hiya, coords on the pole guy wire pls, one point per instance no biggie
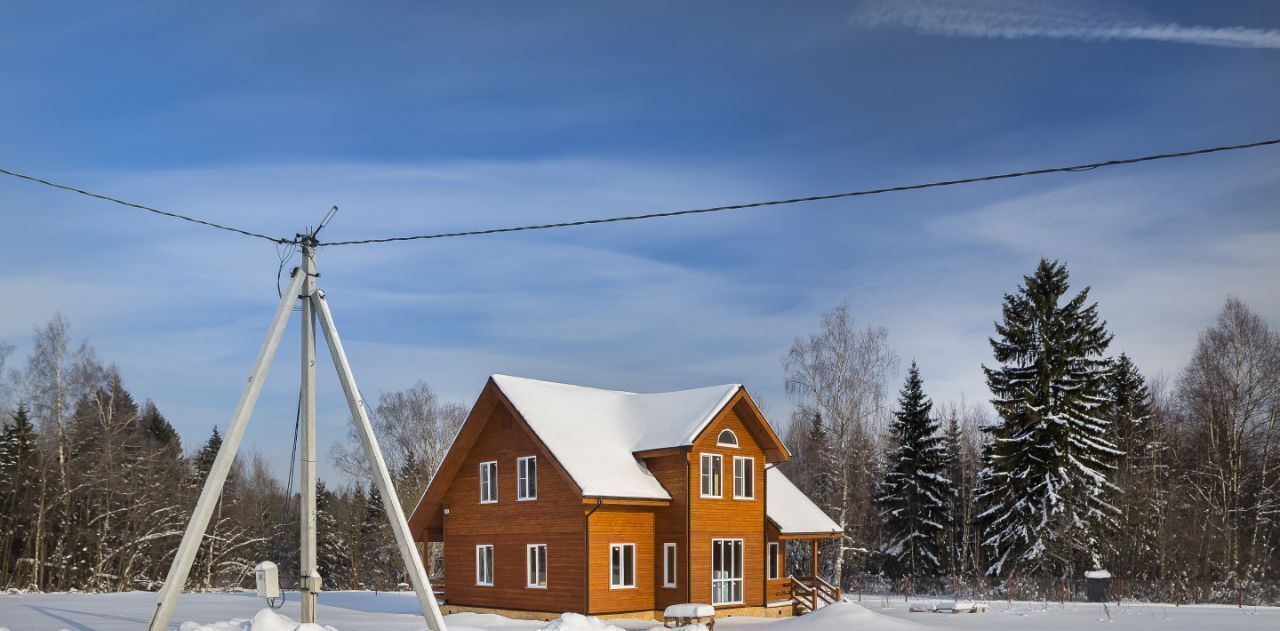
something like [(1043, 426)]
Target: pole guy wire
[(815, 198)]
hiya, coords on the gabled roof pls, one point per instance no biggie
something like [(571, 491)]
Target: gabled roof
[(595, 433), (597, 438), (792, 511)]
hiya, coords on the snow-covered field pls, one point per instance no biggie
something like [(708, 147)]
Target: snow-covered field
[(367, 611)]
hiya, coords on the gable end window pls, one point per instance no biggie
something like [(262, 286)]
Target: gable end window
[(527, 478), (622, 565), (537, 565), (712, 483), (484, 565), (727, 438), (744, 478), (489, 482)]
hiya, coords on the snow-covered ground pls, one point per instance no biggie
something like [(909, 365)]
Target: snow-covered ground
[(367, 611)]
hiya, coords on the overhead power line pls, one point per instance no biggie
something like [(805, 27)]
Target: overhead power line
[(149, 209), (815, 198), (657, 215)]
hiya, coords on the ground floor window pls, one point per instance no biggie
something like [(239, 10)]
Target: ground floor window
[(537, 565), (726, 571), (668, 565), (774, 560), (622, 565), (484, 565)]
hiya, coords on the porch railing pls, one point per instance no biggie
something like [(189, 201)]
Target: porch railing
[(810, 593)]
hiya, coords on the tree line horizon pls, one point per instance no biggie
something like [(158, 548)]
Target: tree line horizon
[(1080, 463)]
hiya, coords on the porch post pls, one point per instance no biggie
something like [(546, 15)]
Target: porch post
[(813, 561)]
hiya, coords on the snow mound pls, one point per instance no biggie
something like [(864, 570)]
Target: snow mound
[(844, 616), (264, 620), (579, 622)]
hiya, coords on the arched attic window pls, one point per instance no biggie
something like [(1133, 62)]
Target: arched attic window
[(727, 438)]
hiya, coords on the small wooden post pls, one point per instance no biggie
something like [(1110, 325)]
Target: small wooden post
[(1119, 589), (1062, 593), (1008, 586), (1240, 597), (813, 548), (859, 588), (1177, 594), (906, 590)]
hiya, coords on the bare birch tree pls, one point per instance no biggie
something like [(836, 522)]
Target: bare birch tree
[(1230, 394), (840, 373)]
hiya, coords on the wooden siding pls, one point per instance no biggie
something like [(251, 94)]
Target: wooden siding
[(725, 517), (671, 525), (555, 518), (621, 524), (778, 589)]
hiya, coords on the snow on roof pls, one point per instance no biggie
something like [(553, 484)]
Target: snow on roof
[(1097, 574), (594, 433), (792, 510)]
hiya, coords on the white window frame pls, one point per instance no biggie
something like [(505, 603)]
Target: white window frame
[(721, 443), (670, 567), (731, 580), (621, 576), (494, 486), (524, 490), (717, 476), (748, 477), (774, 567), (481, 557), (533, 554)]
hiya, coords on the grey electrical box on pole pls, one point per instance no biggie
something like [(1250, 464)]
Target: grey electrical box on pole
[(266, 578), (315, 311)]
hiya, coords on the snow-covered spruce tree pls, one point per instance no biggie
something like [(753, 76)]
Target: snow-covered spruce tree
[(19, 462), (913, 496), (1044, 485), (1140, 472)]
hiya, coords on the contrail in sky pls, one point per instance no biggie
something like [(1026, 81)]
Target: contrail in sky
[(1053, 19)]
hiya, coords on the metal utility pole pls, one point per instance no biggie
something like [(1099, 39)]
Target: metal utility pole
[(314, 310), (308, 574)]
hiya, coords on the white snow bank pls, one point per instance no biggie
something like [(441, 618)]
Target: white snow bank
[(579, 622), (689, 610), (264, 620), (843, 616), (1097, 574)]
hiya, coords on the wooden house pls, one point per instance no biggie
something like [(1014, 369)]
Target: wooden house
[(557, 498)]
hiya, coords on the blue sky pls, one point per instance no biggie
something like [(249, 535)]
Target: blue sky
[(416, 117)]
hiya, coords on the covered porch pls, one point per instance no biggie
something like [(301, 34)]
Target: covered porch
[(792, 517)]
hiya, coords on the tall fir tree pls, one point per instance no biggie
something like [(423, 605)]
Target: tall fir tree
[(1140, 472), (19, 462), (914, 494), (378, 542), (955, 533), (333, 558), (202, 462), (1044, 485), (821, 466)]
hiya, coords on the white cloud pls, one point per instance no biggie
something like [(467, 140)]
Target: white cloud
[(1052, 19)]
